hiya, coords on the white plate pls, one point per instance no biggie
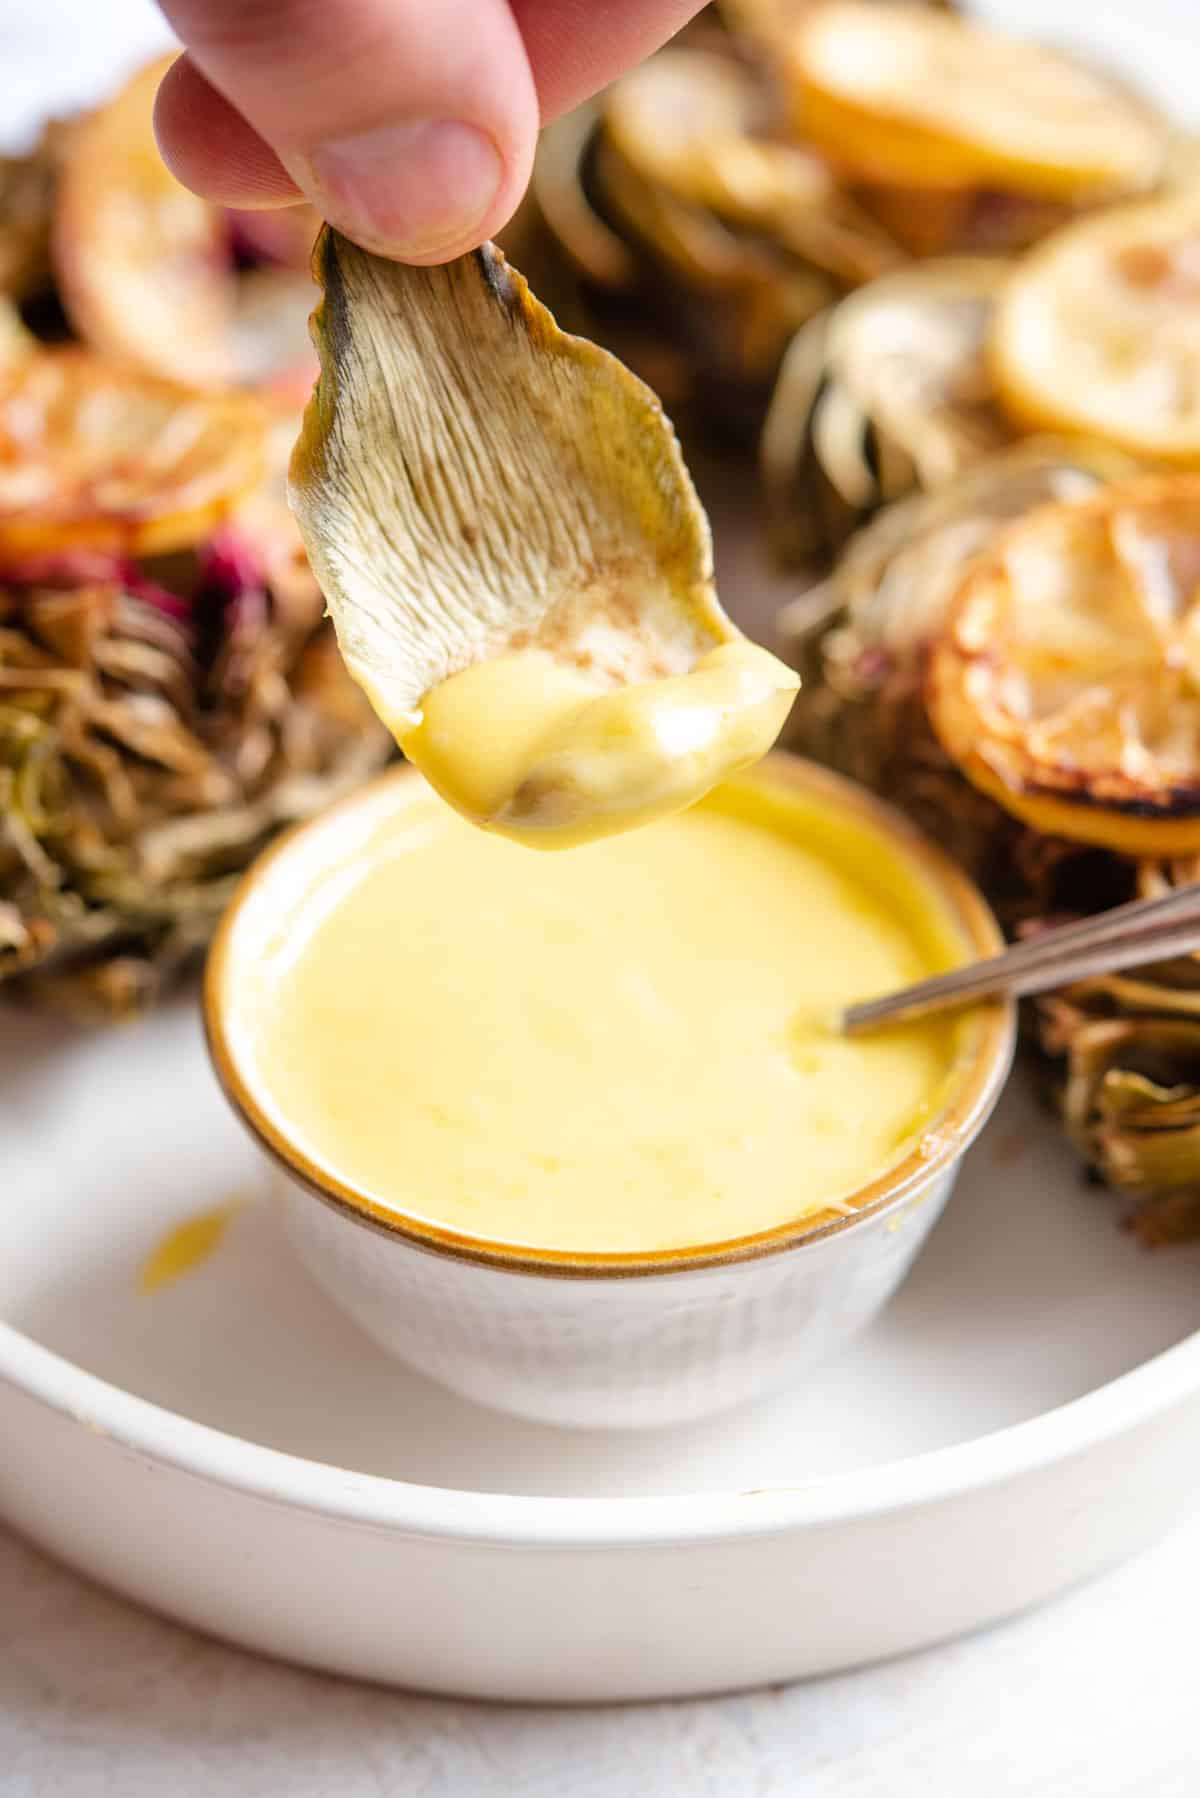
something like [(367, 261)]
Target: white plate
[(230, 1450)]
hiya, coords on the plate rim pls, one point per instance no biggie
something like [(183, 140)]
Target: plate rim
[(375, 1502)]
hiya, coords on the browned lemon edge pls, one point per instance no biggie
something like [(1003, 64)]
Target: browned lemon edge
[(986, 1065)]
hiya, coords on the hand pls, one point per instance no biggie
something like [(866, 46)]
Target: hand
[(410, 124)]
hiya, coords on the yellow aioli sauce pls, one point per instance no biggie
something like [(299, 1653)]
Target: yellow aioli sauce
[(627, 1049), (554, 756), (187, 1246)]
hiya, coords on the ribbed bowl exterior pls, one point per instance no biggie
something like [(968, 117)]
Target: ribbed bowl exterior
[(620, 1352)]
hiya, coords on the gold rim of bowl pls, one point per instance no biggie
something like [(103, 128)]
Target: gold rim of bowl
[(983, 1069)]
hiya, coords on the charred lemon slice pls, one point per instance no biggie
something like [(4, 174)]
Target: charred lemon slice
[(1067, 685), (142, 264), (910, 97), (146, 269), (1099, 331), (97, 456), (676, 118), (690, 123), (517, 565)]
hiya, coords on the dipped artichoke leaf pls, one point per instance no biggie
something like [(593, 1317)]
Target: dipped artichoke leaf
[(471, 480), (514, 556)]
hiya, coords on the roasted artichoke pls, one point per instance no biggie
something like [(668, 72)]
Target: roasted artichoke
[(169, 694), (700, 238), (861, 640), (960, 139), (923, 373), (1089, 577), (888, 391), (98, 241)]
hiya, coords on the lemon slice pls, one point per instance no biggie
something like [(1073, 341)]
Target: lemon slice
[(689, 123), (101, 457), (1067, 684), (142, 264), (1099, 331), (906, 96), (146, 269)]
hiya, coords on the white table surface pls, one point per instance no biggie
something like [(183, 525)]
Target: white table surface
[(1096, 1697)]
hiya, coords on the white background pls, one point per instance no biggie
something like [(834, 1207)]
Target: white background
[(1097, 1697)]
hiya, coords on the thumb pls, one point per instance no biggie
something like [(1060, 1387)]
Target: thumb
[(410, 126)]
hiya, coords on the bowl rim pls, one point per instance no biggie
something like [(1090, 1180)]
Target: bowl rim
[(976, 1090)]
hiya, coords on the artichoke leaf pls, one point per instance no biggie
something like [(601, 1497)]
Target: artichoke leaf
[(475, 486), (469, 479)]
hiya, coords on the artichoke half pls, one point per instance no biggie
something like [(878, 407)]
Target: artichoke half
[(886, 392), (928, 371), (169, 693), (1092, 547), (959, 139), (932, 368), (861, 639), (701, 238), (98, 241)]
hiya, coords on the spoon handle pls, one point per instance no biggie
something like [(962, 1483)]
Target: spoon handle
[(1146, 930)]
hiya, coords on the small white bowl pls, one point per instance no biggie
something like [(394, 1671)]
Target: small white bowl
[(603, 1339)]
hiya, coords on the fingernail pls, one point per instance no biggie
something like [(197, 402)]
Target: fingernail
[(409, 189)]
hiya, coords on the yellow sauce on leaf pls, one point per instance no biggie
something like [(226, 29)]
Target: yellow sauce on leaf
[(543, 753), (187, 1246)]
